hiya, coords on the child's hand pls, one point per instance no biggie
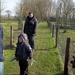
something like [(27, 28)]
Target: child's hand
[(32, 62), (31, 59)]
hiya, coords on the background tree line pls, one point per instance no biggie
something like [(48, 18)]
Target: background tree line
[(65, 13), (43, 9)]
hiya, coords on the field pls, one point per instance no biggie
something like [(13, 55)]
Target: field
[(47, 58)]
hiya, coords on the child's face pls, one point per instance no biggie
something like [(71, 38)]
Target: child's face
[(20, 39)]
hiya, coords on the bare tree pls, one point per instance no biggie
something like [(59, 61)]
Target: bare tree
[(8, 13), (44, 8), (67, 7), (41, 8), (19, 13), (1, 8)]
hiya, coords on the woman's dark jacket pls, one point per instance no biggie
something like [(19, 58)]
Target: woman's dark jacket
[(30, 25)]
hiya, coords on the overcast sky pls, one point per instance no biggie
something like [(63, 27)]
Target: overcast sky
[(9, 5)]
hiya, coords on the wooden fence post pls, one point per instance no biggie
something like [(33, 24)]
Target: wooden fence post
[(11, 35), (52, 31), (56, 36), (66, 56), (51, 28), (22, 28)]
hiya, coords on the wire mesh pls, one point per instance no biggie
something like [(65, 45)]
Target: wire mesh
[(71, 68), (61, 44)]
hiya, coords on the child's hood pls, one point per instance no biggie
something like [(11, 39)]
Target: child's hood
[(24, 36)]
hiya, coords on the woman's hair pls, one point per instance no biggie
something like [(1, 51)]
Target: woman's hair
[(30, 13)]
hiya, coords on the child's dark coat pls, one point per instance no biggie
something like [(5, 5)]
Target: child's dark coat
[(22, 53)]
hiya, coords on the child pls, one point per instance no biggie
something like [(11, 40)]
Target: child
[(1, 51), (23, 52)]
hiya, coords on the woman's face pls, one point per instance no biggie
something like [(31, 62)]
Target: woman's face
[(20, 39), (31, 15)]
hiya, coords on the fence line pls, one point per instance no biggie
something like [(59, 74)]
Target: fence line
[(60, 42), (71, 59), (67, 56)]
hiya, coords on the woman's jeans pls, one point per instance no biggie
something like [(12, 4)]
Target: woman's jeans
[(1, 68), (31, 41)]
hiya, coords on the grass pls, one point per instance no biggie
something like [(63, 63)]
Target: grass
[(47, 58), (45, 55)]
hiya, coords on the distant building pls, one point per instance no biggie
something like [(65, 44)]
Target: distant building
[(5, 17), (52, 19)]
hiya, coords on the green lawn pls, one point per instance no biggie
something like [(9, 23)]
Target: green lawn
[(47, 58)]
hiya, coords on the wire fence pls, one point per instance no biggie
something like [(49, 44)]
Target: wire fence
[(71, 66), (60, 39)]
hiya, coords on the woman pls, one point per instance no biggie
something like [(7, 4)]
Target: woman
[(30, 28)]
